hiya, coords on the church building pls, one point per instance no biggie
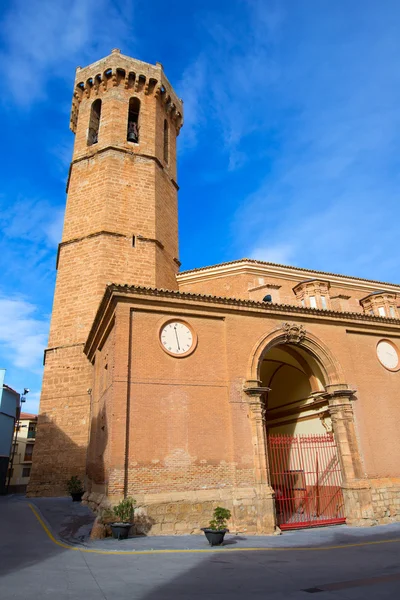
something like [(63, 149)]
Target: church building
[(270, 390)]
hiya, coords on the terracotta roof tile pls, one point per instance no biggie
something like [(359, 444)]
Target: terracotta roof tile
[(263, 262)]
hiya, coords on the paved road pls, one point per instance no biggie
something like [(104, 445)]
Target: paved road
[(32, 566)]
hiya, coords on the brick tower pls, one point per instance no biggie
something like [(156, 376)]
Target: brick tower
[(120, 226)]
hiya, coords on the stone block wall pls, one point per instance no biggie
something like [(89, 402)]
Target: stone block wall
[(174, 513), (377, 502)]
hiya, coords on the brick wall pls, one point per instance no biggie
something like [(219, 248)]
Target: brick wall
[(120, 226), (187, 420)]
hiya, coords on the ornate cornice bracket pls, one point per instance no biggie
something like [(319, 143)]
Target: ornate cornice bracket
[(340, 402), (256, 399), (253, 388), (293, 333), (338, 392)]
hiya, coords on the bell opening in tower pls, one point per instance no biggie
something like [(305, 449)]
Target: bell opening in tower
[(133, 120), (166, 141), (94, 123)]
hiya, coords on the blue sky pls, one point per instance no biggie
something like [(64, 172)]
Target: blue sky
[(289, 152)]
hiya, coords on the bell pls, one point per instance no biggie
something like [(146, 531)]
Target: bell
[(132, 137)]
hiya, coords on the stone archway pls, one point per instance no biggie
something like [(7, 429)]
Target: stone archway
[(327, 384)]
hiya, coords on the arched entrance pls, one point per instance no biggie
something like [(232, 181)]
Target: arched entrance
[(295, 388), (304, 466)]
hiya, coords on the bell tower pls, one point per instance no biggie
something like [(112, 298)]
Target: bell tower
[(120, 226)]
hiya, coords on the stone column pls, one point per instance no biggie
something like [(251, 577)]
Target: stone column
[(356, 488), (264, 505)]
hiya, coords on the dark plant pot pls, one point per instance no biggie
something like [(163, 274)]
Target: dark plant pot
[(77, 496), (215, 538), (120, 531)]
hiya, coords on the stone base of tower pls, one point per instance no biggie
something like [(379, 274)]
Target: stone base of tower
[(187, 512), (64, 420)]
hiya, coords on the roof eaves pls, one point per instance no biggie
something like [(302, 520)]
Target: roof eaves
[(291, 267), (269, 307)]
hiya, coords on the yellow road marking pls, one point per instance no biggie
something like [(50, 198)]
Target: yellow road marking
[(201, 550)]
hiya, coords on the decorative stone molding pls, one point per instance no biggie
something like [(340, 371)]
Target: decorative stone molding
[(313, 293), (326, 423), (253, 388), (340, 402), (257, 410), (293, 333), (381, 304), (340, 399)]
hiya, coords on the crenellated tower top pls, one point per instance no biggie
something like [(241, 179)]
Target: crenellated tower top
[(134, 75)]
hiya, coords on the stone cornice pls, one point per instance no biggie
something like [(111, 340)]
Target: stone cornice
[(311, 282), (378, 294), (90, 154), (86, 237), (231, 304), (140, 238), (269, 269)]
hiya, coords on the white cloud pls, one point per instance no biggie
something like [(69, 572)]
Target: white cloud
[(191, 88), (329, 195), (23, 334), (54, 227), (45, 39), (226, 83), (33, 219), (280, 254)]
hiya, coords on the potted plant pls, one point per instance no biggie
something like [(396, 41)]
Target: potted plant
[(215, 532), (124, 513), (75, 488)]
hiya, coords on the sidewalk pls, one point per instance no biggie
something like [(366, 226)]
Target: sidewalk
[(71, 522), (60, 562)]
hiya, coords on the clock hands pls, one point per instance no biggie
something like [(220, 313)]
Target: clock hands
[(177, 339)]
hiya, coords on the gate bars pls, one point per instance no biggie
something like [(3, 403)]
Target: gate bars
[(306, 477)]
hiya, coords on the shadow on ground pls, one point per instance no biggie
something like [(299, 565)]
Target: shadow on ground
[(23, 541)]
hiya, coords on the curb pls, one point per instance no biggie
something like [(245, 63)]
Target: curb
[(66, 546)]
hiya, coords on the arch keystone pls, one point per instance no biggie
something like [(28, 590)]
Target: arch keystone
[(293, 333)]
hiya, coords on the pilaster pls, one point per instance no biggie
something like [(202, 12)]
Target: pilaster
[(266, 521), (356, 488)]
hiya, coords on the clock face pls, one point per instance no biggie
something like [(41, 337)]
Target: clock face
[(387, 355), (177, 338)]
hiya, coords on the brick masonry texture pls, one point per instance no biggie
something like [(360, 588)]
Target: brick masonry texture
[(184, 435), (116, 190)]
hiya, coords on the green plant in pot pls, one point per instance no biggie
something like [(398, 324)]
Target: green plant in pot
[(217, 528), (123, 513), (75, 488)]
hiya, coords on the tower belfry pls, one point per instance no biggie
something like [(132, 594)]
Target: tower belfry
[(120, 226)]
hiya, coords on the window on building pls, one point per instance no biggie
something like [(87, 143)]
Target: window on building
[(313, 302), (94, 123), (381, 311), (392, 312), (166, 141), (26, 471), (28, 452), (303, 302), (32, 430), (133, 121), (323, 303)]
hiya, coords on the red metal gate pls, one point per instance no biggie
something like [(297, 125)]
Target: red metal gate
[(306, 477)]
